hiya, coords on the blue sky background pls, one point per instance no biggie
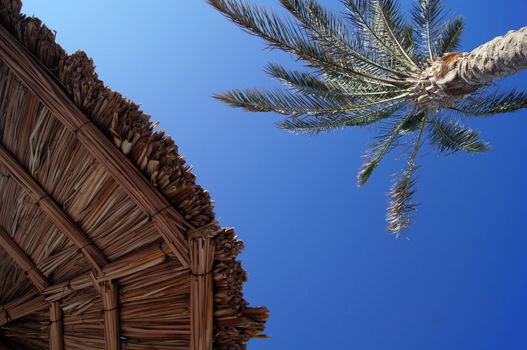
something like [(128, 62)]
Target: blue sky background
[(317, 252)]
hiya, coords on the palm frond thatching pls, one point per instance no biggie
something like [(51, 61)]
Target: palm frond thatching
[(85, 260)]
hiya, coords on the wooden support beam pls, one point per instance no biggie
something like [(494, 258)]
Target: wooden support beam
[(22, 307), (110, 300), (124, 172), (56, 335), (135, 262), (40, 281), (22, 260), (65, 224), (202, 248)]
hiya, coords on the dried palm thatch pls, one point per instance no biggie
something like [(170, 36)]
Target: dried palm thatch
[(106, 240)]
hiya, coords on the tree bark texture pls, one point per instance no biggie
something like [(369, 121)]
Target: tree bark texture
[(498, 58)]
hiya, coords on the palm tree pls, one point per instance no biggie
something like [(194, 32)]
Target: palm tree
[(374, 66)]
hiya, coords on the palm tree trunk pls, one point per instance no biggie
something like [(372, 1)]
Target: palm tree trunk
[(498, 58)]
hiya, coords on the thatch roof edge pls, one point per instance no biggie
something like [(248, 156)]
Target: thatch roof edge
[(156, 155)]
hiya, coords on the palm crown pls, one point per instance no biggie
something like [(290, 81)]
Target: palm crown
[(371, 66)]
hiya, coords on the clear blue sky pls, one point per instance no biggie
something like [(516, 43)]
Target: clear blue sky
[(317, 252)]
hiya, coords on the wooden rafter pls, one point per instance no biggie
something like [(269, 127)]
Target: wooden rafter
[(65, 224), (135, 262), (22, 260), (56, 335), (202, 248), (40, 281), (91, 252), (22, 307), (125, 173)]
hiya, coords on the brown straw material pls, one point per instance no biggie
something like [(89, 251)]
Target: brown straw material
[(107, 241)]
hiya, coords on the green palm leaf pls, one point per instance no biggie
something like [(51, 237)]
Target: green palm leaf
[(413, 122), (450, 136), (449, 38), (373, 22), (287, 103), (302, 82), (333, 35), (291, 38), (340, 82), (428, 15), (488, 105), (390, 24), (401, 193), (374, 155), (308, 83), (281, 102), (316, 125)]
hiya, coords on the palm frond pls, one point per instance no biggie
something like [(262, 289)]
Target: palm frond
[(342, 83), (408, 40), (316, 125), (450, 136), (374, 155), (362, 15), (358, 12), (300, 81), (496, 103), (281, 102), (284, 102), (390, 24), (324, 28), (334, 36), (449, 38), (308, 83), (428, 15), (413, 122), (279, 33), (290, 37), (401, 193)]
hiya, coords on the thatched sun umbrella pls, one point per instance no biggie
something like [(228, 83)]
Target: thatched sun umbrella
[(106, 241)]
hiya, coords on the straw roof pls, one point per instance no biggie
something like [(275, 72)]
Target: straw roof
[(106, 240)]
